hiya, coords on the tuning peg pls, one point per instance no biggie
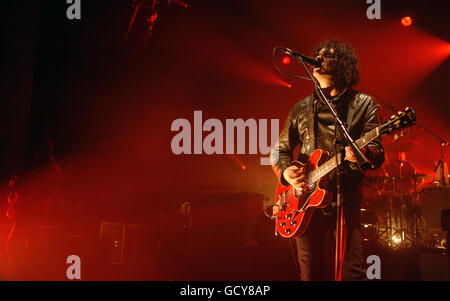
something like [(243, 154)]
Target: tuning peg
[(393, 116), (399, 113)]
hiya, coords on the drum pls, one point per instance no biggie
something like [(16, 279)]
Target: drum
[(400, 177)]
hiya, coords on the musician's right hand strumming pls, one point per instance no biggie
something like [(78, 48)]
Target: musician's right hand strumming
[(295, 176)]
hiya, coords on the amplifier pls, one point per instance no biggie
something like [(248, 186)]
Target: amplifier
[(445, 219), (434, 267), (120, 242)]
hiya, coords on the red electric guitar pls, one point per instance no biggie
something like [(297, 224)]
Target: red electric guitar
[(296, 207)]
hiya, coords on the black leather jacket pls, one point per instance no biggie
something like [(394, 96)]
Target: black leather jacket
[(300, 129)]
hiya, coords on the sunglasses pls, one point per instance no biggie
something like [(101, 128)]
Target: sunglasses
[(327, 54)]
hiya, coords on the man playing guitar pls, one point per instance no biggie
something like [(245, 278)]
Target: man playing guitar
[(311, 126)]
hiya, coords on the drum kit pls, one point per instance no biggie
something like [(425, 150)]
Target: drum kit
[(396, 211)]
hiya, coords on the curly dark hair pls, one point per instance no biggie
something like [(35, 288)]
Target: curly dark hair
[(347, 68)]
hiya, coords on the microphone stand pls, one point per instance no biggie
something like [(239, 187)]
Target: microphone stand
[(363, 163), (441, 162)]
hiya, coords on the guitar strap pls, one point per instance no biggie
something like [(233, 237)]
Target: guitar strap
[(312, 107), (314, 114)]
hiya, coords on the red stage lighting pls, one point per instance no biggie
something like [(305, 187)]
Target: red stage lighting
[(406, 21), (179, 2), (286, 60)]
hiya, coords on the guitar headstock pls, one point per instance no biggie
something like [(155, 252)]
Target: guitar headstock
[(399, 121)]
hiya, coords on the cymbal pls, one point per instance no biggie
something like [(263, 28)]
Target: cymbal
[(410, 176), (422, 176), (375, 178), (397, 144)]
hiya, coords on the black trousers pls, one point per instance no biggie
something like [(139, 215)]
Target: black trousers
[(316, 248)]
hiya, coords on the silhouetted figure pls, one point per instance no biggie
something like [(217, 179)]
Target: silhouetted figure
[(39, 217)]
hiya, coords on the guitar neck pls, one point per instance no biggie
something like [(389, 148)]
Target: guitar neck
[(331, 164)]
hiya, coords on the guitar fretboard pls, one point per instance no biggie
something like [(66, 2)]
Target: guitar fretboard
[(331, 164)]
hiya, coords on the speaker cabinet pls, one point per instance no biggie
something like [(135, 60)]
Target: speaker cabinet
[(120, 242), (434, 267)]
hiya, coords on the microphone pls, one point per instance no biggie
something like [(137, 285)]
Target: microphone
[(307, 59)]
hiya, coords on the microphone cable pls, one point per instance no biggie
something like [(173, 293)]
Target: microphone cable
[(283, 72)]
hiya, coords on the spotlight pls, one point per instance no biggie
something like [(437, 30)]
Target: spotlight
[(406, 21), (286, 60), (396, 239)]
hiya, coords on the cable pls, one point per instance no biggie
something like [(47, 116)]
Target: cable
[(283, 72), (294, 258)]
